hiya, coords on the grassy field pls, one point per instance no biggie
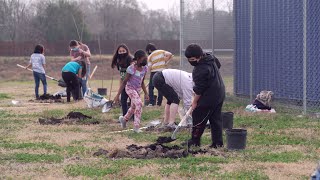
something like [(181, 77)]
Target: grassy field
[(280, 146)]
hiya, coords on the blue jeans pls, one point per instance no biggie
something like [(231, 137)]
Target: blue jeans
[(151, 94), (37, 78), (84, 81)]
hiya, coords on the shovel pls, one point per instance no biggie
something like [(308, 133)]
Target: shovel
[(182, 123)]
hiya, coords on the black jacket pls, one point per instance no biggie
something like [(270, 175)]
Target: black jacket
[(208, 82)]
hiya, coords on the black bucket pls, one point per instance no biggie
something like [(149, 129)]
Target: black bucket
[(236, 139), (227, 120), (102, 91)]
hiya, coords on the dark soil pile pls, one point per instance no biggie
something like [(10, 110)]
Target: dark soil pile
[(48, 98), (149, 152), (157, 150), (71, 118)]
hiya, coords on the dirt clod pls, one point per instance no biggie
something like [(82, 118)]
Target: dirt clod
[(101, 152), (162, 140), (71, 118)]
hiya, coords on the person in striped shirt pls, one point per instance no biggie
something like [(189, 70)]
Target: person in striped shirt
[(157, 61)]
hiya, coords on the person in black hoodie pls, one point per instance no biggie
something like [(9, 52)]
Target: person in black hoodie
[(209, 95)]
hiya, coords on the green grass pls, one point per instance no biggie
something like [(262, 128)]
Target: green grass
[(70, 150), (252, 175), (89, 171), (152, 114), (4, 96), (286, 157), (105, 167), (40, 145), (33, 158)]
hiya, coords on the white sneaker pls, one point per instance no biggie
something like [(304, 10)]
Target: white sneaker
[(123, 122), (150, 105), (137, 130)]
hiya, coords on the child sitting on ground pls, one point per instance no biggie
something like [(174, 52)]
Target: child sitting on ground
[(38, 64), (133, 83)]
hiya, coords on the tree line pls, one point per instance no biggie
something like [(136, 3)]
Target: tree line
[(62, 20)]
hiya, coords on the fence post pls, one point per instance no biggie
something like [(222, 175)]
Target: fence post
[(213, 25), (181, 31), (251, 50), (304, 56)]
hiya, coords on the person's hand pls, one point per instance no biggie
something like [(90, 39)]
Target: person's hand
[(146, 97), (116, 99), (80, 51), (194, 105)]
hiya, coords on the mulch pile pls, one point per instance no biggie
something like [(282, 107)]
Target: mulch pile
[(71, 118)]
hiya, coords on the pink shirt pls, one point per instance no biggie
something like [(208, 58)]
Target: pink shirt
[(136, 78)]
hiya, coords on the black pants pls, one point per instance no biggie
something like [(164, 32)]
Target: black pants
[(124, 102), (163, 88), (151, 94), (200, 118), (73, 85)]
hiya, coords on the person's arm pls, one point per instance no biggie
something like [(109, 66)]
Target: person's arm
[(123, 84), (44, 63), (167, 56), (200, 78), (86, 51), (29, 65), (195, 101), (76, 59)]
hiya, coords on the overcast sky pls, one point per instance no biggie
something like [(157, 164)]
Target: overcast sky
[(166, 4)]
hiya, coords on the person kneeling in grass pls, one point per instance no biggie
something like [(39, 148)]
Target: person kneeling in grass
[(72, 72), (133, 83), (174, 85)]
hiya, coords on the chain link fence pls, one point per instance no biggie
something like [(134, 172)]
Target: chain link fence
[(277, 49), (209, 23), (262, 45)]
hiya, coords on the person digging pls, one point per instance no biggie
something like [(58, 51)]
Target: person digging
[(209, 95), (174, 85)]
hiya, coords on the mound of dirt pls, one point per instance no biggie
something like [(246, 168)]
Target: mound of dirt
[(162, 140), (157, 150), (48, 98), (71, 118), (149, 152)]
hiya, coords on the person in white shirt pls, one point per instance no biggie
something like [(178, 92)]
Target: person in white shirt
[(175, 85)]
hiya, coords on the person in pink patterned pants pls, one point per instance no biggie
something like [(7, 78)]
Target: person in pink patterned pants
[(133, 83)]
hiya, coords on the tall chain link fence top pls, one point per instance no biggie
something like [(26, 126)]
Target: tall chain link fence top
[(210, 29)]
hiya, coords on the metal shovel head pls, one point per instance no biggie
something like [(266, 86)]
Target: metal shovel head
[(154, 123), (61, 83), (107, 106)]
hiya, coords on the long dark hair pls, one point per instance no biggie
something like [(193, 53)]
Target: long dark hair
[(38, 49), (84, 68), (116, 55)]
